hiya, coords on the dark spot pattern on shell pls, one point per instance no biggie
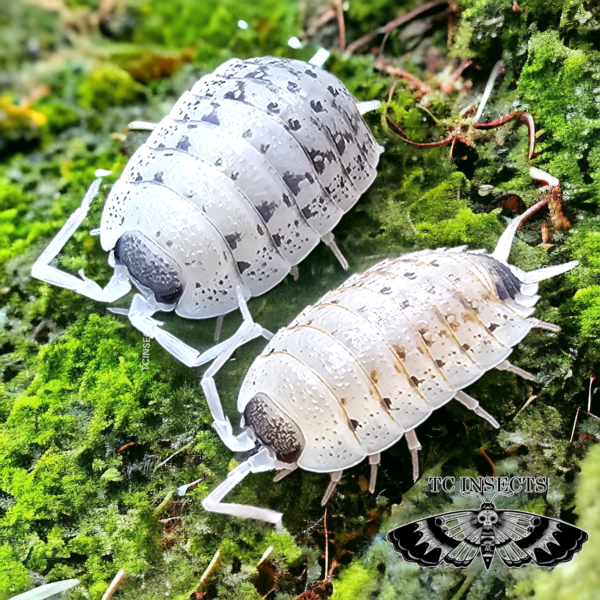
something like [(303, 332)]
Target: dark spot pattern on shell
[(294, 124), (212, 117), (242, 266), (233, 239), (292, 180), (316, 106), (184, 143), (266, 210)]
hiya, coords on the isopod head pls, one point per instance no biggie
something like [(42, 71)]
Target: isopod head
[(274, 428)]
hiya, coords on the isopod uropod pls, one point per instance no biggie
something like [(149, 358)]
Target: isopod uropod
[(372, 359), (233, 188)]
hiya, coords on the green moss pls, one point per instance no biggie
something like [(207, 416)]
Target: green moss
[(555, 82), (212, 27), (587, 303), (355, 582), (108, 86), (578, 578), (13, 575), (59, 114)]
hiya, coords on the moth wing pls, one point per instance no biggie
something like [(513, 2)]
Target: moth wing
[(451, 537), (524, 537)]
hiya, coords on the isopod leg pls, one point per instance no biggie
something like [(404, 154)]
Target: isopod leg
[(116, 288), (140, 315), (142, 126), (295, 272), (473, 405), (328, 239), (544, 325), (374, 461), (261, 461), (284, 473), (506, 366), (367, 106), (335, 477), (218, 327), (221, 422), (414, 446)]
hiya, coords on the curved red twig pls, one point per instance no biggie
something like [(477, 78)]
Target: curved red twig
[(523, 117), (535, 207), (404, 138)]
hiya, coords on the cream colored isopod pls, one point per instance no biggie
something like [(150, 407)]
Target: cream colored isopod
[(372, 359), (250, 170)]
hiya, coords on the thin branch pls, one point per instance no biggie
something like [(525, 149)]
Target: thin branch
[(529, 401), (402, 136), (404, 18), (212, 565), (392, 90), (114, 585), (322, 19), (483, 453), (326, 542), (592, 378), (523, 117), (339, 10), (334, 564), (164, 462), (164, 521), (575, 423), (265, 555), (497, 69), (390, 69), (183, 489), (383, 41)]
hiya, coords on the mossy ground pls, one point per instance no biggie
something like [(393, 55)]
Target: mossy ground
[(84, 430)]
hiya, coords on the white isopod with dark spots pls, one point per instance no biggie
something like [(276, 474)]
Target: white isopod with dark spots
[(371, 360), (233, 188)]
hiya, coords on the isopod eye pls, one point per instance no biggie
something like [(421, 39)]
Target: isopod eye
[(274, 428), (150, 266)]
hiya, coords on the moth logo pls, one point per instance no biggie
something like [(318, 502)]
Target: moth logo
[(518, 538)]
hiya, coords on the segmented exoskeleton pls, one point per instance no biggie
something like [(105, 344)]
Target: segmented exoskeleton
[(372, 359), (234, 187)]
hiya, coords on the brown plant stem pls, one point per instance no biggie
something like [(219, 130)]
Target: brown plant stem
[(339, 10), (391, 69), (404, 18)]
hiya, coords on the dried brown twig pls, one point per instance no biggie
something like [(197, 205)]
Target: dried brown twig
[(327, 15), (483, 453), (326, 542), (391, 69), (339, 11), (404, 18)]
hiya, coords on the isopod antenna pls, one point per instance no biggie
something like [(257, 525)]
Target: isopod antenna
[(530, 279), (502, 250)]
